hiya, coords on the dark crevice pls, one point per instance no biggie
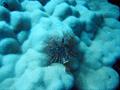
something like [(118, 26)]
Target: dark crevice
[(116, 67), (5, 5), (44, 2), (119, 18), (116, 2), (74, 88)]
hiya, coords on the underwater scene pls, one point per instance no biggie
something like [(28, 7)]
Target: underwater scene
[(59, 45)]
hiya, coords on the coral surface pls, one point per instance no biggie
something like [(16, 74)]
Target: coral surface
[(59, 45)]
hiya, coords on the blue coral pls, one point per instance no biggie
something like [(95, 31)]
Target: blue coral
[(59, 45)]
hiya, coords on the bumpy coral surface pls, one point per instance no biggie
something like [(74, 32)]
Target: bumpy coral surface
[(59, 44)]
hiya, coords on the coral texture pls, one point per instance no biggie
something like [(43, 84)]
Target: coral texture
[(59, 45)]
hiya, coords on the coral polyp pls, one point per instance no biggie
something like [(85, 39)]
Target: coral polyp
[(62, 50)]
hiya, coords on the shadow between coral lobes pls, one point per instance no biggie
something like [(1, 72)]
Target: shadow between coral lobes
[(116, 2), (116, 67)]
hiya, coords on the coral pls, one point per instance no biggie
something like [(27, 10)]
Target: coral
[(11, 4), (4, 14), (9, 45), (59, 45)]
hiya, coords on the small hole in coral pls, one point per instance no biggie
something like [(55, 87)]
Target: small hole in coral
[(5, 4), (44, 2)]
